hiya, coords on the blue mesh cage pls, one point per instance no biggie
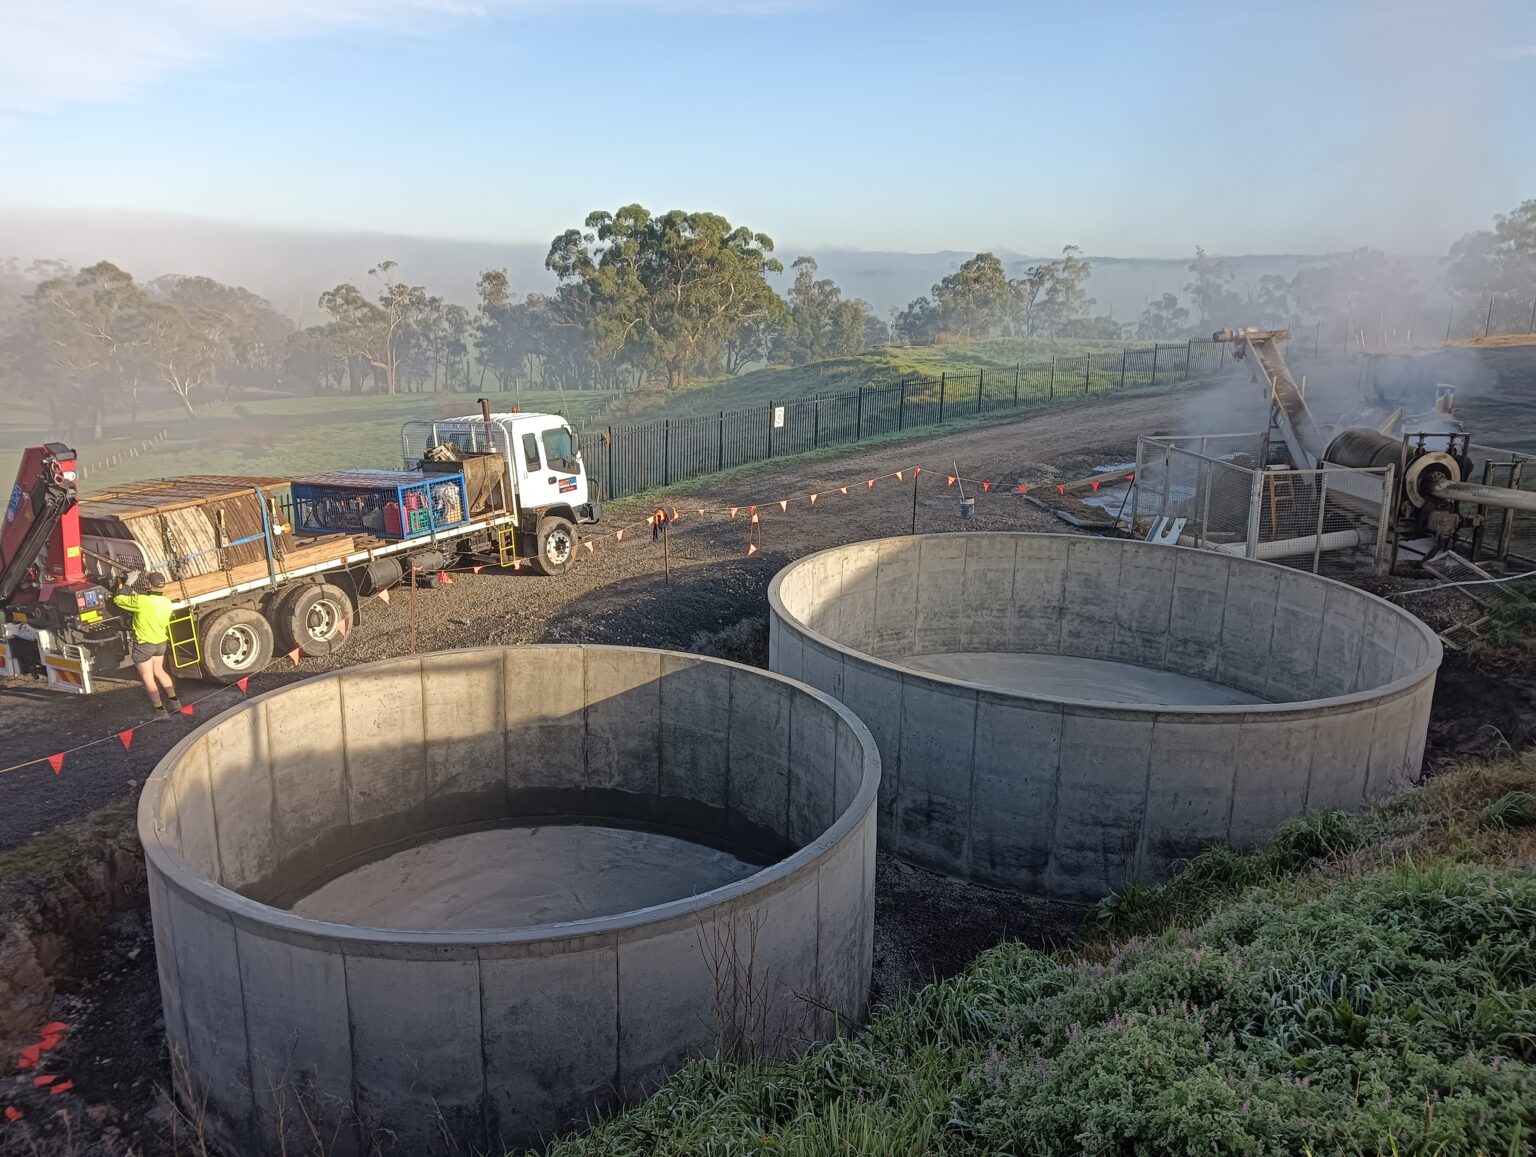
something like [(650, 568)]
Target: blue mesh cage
[(383, 503)]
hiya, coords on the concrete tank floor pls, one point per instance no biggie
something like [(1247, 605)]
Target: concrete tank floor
[(522, 876), (1072, 678)]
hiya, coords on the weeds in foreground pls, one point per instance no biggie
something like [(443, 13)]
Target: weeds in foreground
[(1362, 984)]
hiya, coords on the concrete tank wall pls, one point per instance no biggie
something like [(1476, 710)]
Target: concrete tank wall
[(1072, 798), (498, 1037)]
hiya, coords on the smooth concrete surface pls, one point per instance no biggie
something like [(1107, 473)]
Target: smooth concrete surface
[(473, 1040), (517, 877), (1072, 795), (1080, 678)]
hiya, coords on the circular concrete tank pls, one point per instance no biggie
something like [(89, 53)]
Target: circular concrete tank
[(1065, 715), (556, 769)]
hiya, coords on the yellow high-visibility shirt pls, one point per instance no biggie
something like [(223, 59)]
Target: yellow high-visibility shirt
[(151, 616)]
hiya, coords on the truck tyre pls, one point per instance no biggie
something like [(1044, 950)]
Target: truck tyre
[(557, 544), (310, 618), (235, 643)]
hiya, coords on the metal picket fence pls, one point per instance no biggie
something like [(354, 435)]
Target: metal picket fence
[(627, 460), (1232, 501), (1413, 327)]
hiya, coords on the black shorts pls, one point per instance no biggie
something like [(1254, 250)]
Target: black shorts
[(144, 652)]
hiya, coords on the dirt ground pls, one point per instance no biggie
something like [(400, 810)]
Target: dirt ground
[(927, 925)]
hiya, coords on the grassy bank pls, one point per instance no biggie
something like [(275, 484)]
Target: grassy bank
[(1361, 985)]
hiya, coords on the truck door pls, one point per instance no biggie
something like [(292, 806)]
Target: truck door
[(549, 471)]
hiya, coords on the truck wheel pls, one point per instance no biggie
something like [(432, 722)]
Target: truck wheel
[(311, 617), (235, 643), (557, 545)]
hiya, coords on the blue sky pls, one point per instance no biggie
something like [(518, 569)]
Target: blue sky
[(1135, 129)]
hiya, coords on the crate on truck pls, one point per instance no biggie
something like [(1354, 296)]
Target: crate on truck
[(260, 566)]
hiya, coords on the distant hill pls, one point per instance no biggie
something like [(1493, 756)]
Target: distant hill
[(291, 267)]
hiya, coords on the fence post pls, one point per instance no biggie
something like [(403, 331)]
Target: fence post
[(1450, 318), (1122, 369), (858, 418), (943, 376), (609, 479), (1051, 397), (1016, 367), (1189, 352), (666, 451), (981, 381), (1322, 506), (770, 427), (1255, 512), (1488, 322), (815, 423), (901, 406), (1087, 370), (1154, 363), (1317, 342), (720, 451), (1532, 327)]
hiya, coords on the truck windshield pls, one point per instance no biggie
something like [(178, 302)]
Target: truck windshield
[(560, 449)]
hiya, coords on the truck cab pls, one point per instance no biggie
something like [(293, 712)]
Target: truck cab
[(544, 483)]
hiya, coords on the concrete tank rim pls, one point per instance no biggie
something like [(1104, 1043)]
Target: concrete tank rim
[(1404, 683), (173, 870)]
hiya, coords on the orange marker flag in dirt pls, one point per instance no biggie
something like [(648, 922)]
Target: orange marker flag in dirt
[(734, 511), (813, 500), (870, 485), (755, 519), (1060, 488), (1023, 487), (1095, 483), (589, 546), (618, 536), (701, 513), (56, 761), (443, 579), (899, 478), (986, 486), (844, 489), (477, 569), (949, 480), (13, 1114), (44, 1079), (751, 549), (916, 470), (243, 684), (384, 596), (125, 737), (784, 505), (295, 655), (186, 709), (342, 628), (61, 1087)]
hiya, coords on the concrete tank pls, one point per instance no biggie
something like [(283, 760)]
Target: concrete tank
[(1065, 715), (432, 1039)]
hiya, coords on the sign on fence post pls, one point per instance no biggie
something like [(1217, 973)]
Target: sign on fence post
[(778, 417)]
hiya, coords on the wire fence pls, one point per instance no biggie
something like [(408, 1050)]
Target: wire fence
[(627, 460), (1217, 492), (1504, 534), (1414, 327)]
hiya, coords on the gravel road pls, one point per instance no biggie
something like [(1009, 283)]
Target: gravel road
[(615, 594)]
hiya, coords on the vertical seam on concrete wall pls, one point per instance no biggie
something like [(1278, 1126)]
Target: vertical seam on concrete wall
[(260, 710), (789, 767), (730, 726), (586, 737), (173, 904), (245, 1018), (1173, 593), (661, 720), (1317, 652), (1306, 787), (485, 1061), (1370, 750), (1139, 857), (1237, 747), (357, 1100), (618, 1021), (346, 768), (213, 812), (1221, 630), (426, 773), (970, 798)]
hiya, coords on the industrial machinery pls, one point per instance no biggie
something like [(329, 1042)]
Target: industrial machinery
[(1431, 469), (259, 566)]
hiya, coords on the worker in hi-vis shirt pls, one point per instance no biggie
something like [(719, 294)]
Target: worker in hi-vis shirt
[(151, 613)]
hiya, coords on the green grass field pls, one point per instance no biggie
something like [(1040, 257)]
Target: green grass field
[(281, 436)]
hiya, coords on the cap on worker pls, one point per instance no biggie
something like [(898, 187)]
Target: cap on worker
[(155, 580)]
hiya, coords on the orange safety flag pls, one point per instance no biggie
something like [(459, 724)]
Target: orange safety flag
[(734, 509), (342, 628), (61, 1087), (186, 709), (986, 486), (1060, 488), (751, 510), (43, 1079), (1023, 487), (784, 505), (701, 513), (870, 484), (243, 684), (56, 762), (443, 579), (844, 489), (477, 569), (589, 546), (899, 478), (125, 738), (384, 596), (29, 1057), (751, 549), (949, 480), (296, 654), (813, 500), (12, 1113), (618, 536), (754, 518), (1131, 477), (1094, 484), (916, 470)]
